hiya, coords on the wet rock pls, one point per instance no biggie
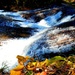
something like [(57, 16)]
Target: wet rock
[(12, 32), (62, 36), (56, 41), (39, 14)]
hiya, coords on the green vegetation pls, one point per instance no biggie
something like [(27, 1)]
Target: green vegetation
[(70, 2), (56, 65), (4, 67)]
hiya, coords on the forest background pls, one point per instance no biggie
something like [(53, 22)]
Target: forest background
[(15, 5)]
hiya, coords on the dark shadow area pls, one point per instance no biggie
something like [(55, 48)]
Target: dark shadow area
[(27, 4), (66, 24), (63, 54), (13, 32)]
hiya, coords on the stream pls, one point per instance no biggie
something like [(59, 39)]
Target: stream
[(48, 31)]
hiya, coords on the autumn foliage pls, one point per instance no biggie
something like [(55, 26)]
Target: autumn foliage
[(54, 66)]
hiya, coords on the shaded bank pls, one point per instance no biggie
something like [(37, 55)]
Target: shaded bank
[(27, 4)]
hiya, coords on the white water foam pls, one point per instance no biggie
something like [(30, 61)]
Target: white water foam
[(13, 47)]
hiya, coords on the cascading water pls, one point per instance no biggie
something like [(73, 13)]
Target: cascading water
[(47, 39), (12, 47)]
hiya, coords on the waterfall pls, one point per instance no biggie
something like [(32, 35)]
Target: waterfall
[(13, 47), (40, 42)]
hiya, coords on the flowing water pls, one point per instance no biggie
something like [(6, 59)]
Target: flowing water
[(47, 38)]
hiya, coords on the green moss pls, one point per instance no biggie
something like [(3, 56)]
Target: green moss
[(56, 58), (29, 73)]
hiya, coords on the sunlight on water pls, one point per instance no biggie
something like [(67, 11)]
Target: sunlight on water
[(50, 20), (13, 47), (53, 41), (39, 43), (10, 49), (65, 19)]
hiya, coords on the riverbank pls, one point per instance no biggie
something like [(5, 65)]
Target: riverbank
[(55, 66)]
